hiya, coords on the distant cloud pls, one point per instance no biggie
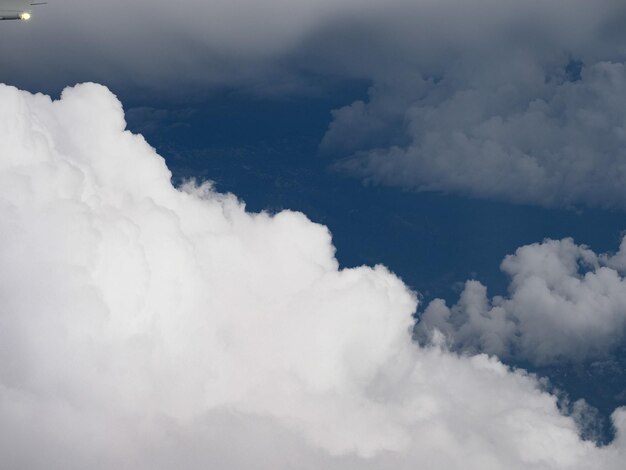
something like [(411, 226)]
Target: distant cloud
[(145, 327), (565, 303), (520, 101), (176, 48), (515, 101), (552, 142)]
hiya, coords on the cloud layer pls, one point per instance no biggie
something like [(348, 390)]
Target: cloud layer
[(144, 326), (517, 101), (217, 42), (177, 48), (565, 303)]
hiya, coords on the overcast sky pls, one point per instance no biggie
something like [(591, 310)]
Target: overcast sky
[(154, 43)]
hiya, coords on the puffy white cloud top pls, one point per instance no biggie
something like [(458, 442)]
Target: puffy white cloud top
[(148, 327), (565, 303)]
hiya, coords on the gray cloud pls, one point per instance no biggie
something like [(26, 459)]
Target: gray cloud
[(275, 44), (144, 326), (177, 47), (482, 98), (516, 101), (565, 303), (556, 142)]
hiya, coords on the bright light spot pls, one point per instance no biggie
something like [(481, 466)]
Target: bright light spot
[(25, 16)]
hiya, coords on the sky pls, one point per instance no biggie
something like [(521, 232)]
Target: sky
[(327, 234)]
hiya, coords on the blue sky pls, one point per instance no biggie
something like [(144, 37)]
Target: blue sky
[(266, 151), (474, 149)]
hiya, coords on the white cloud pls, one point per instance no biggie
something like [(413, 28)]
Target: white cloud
[(143, 326), (565, 303)]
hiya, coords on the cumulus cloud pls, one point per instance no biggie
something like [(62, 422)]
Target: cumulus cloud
[(144, 326), (565, 303), (515, 101), (554, 142)]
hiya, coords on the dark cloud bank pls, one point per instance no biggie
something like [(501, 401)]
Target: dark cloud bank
[(514, 100)]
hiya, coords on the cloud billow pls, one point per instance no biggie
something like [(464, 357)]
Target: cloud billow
[(513, 101), (565, 303), (558, 143), (145, 326)]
